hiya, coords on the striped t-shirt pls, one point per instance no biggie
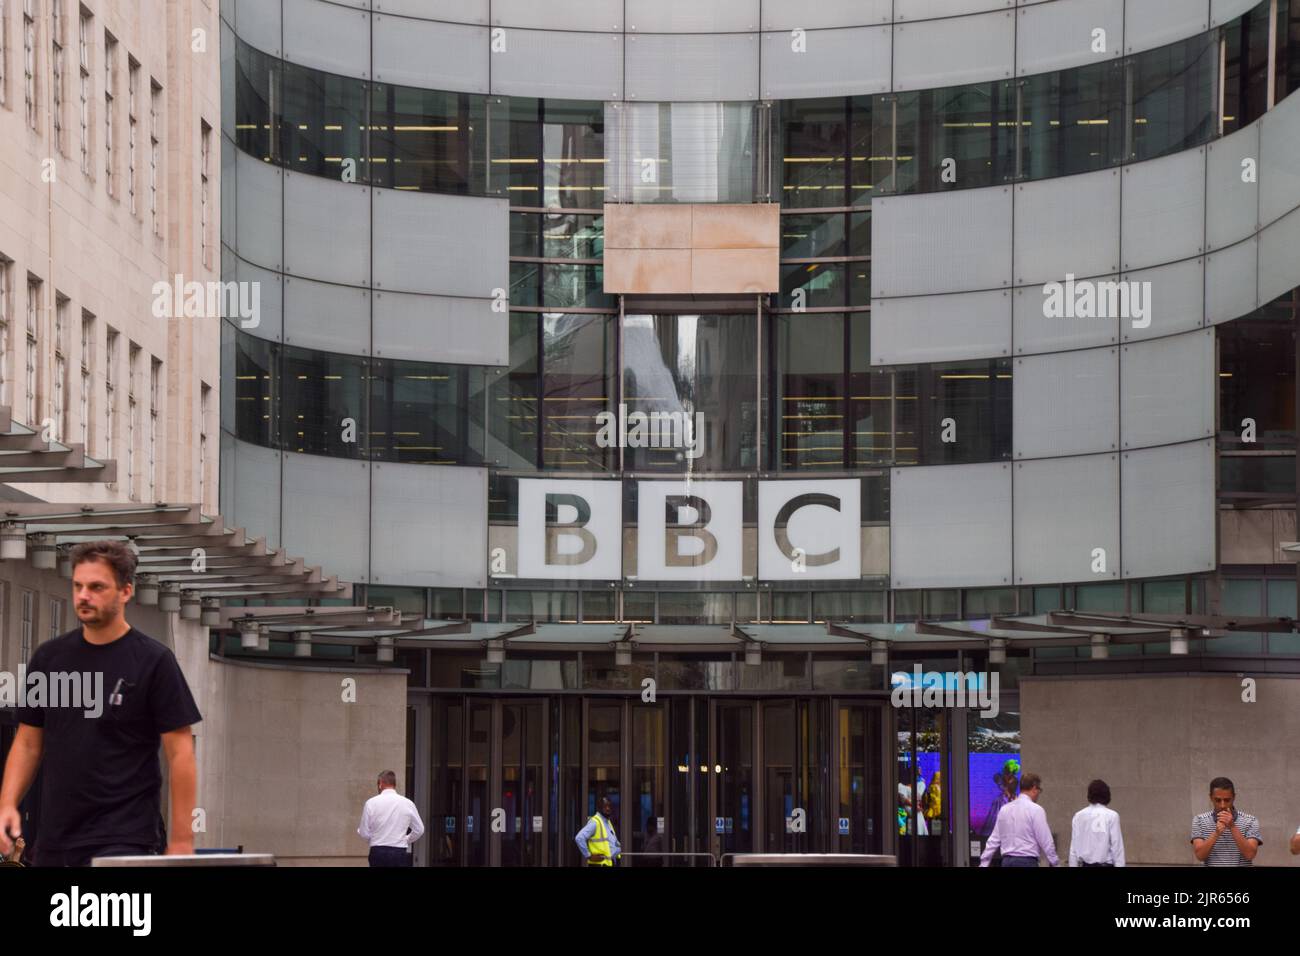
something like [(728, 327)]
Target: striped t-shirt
[(1225, 851)]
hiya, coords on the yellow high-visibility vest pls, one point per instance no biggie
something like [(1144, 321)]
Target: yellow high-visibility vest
[(598, 842)]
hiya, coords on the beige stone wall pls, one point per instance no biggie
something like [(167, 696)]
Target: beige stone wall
[(288, 764), (1158, 741), (63, 227), (692, 248)]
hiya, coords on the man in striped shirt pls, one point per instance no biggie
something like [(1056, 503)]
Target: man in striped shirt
[(1225, 836)]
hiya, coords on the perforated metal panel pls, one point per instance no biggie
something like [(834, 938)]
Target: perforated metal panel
[(1168, 388), (326, 229), (1230, 281), (693, 67), (1066, 403), (1164, 300), (327, 37), (941, 242), (440, 245), (936, 53), (563, 65), (826, 63), (950, 526), (431, 55), (1067, 225), (1067, 520), (1064, 34), (941, 328), (434, 328), (429, 525), (327, 513), (1163, 210), (1167, 510)]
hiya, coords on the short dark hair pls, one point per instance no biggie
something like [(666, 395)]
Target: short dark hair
[(114, 553), (1098, 792), (388, 778), (1030, 780), (1222, 783)]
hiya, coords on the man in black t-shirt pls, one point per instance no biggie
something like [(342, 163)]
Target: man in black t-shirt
[(101, 791)]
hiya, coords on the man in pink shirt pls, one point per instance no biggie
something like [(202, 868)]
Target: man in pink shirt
[(1021, 831)]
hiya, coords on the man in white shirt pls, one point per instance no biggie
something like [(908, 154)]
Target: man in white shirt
[(391, 823), (1095, 837)]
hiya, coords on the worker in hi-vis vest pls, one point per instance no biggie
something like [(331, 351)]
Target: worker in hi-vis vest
[(597, 841)]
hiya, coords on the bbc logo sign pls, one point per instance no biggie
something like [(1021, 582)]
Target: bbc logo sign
[(689, 531)]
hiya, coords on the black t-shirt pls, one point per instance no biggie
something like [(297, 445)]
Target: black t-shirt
[(102, 781)]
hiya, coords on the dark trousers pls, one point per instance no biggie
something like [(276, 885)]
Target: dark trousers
[(82, 855), (390, 856), (1020, 861), (1081, 863)]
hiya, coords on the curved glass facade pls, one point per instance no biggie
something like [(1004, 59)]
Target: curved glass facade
[(829, 153)]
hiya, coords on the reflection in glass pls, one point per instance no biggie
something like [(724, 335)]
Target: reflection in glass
[(702, 367), (955, 137), (427, 140), (577, 385), (681, 152), (257, 370), (1072, 120), (810, 350), (1173, 97), (322, 391), (415, 412), (256, 74), (322, 122)]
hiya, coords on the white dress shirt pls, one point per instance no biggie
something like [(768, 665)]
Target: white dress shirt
[(1095, 836), (1021, 830), (386, 818)]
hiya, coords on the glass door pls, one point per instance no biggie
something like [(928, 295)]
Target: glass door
[(857, 779), (523, 765), (732, 776), (605, 761), (446, 824), (645, 822), (923, 812), (478, 751)]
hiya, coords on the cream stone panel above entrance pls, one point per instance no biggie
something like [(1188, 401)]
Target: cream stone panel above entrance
[(692, 248)]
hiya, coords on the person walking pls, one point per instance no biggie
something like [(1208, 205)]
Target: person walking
[(391, 823), (101, 788), (597, 841), (1224, 836), (1095, 837), (1021, 832)]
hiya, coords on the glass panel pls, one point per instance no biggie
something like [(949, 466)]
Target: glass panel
[(649, 759), (321, 391), (691, 672), (993, 772), (1257, 381), (577, 385), (257, 369), (542, 606), (406, 600), (446, 603), (1245, 81), (1100, 597), (702, 367), (860, 607), (987, 602), (958, 137), (1072, 120), (691, 607), (813, 237), (811, 380), (1281, 603), (569, 236), (322, 122), (789, 608), (599, 672), (1173, 97), (682, 152), (734, 769), (526, 234), (255, 74), (845, 675), (604, 759), (776, 672), (416, 412), (1244, 596), (575, 287), (514, 398), (522, 782), (813, 285), (598, 607), (814, 137), (1164, 597), (478, 810), (858, 782), (573, 153), (969, 403), (446, 772)]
